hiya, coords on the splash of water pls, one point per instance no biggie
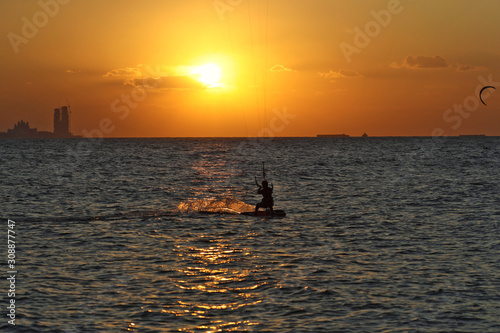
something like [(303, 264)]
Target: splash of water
[(215, 205)]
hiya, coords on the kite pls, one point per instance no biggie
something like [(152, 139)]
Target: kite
[(486, 87)]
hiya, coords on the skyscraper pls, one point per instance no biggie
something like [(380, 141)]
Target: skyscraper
[(57, 121), (64, 121), (61, 122)]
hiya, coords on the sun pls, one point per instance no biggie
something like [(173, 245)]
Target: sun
[(208, 74)]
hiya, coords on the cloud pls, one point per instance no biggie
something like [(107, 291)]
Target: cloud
[(71, 71), (422, 62), (124, 72), (435, 62), (165, 82), (280, 68), (153, 79), (467, 68), (342, 73)]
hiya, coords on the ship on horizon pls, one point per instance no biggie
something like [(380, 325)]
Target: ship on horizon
[(333, 135)]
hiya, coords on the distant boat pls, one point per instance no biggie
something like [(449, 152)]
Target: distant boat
[(364, 135), (332, 136)]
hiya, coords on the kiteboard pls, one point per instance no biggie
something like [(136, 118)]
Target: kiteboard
[(276, 213)]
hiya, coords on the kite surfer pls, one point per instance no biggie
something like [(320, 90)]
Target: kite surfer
[(267, 200), (267, 193)]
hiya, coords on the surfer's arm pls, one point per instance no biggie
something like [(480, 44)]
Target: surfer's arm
[(257, 183)]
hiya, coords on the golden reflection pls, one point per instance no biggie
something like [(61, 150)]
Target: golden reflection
[(223, 283), (233, 326), (208, 168)]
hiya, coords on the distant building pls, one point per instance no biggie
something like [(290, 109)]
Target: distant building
[(22, 130), (61, 127), (61, 122), (57, 120)]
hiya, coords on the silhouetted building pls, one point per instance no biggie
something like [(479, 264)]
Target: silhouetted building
[(61, 127), (65, 121), (61, 122), (57, 121), (22, 130)]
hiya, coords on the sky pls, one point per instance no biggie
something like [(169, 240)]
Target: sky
[(285, 67)]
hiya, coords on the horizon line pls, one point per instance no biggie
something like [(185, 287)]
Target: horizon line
[(267, 138)]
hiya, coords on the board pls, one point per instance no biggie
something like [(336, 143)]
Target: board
[(278, 213)]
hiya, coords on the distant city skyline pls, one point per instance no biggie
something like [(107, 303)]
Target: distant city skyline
[(61, 122), (252, 68)]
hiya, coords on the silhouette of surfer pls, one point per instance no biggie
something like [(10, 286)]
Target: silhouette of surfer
[(267, 200)]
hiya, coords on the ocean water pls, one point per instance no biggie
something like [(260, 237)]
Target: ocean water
[(381, 235)]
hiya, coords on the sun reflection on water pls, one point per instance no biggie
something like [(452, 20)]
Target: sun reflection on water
[(224, 281)]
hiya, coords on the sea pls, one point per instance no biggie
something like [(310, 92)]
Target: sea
[(381, 234)]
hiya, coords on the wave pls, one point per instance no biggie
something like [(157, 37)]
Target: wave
[(206, 206), (103, 217)]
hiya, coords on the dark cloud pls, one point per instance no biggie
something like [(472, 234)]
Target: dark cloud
[(165, 82), (152, 79), (467, 68), (425, 62), (435, 62)]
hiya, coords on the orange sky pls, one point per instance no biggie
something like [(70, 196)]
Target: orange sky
[(289, 67)]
